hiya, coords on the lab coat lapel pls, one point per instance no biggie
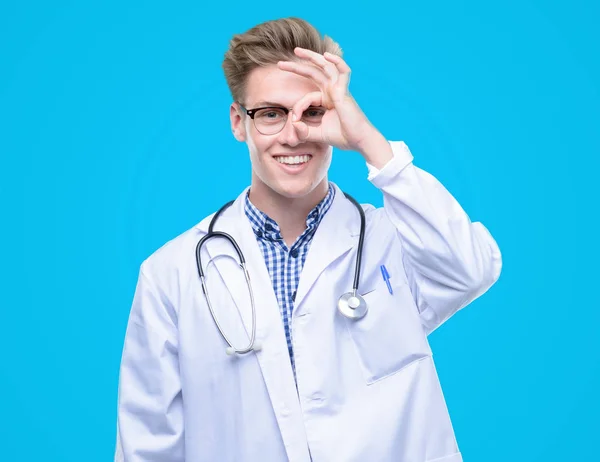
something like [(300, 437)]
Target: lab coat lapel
[(336, 234), (273, 357)]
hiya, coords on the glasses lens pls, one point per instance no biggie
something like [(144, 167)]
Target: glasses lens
[(270, 120)]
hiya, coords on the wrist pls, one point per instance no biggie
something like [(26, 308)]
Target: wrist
[(376, 150)]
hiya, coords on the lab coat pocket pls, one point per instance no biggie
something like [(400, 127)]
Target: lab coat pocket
[(390, 336)]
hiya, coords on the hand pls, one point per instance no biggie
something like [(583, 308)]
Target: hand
[(344, 125)]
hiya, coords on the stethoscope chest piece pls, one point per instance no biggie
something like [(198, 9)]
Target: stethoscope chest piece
[(352, 305)]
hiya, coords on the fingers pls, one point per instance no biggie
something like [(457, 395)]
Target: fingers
[(301, 131), (304, 131), (314, 98), (327, 70), (340, 64), (305, 70), (308, 133), (319, 60), (332, 65), (343, 68), (327, 65)]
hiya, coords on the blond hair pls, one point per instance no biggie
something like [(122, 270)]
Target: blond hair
[(268, 43)]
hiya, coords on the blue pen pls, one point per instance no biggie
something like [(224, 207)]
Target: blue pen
[(386, 278)]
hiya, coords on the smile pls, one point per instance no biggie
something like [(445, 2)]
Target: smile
[(293, 160)]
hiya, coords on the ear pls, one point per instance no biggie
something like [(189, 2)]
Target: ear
[(237, 122)]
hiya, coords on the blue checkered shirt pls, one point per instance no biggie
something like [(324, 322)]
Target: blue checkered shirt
[(285, 265)]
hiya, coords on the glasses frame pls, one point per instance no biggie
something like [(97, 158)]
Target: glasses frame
[(252, 112)]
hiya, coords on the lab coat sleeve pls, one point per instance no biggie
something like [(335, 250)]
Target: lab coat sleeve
[(449, 261), (150, 413)]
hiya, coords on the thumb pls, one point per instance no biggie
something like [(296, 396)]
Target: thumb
[(309, 133), (302, 130)]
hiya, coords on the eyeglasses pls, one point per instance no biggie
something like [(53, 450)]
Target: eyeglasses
[(270, 120)]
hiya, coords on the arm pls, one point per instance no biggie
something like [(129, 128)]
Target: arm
[(150, 411), (449, 261)]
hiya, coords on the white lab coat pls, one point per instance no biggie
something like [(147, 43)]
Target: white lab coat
[(366, 390)]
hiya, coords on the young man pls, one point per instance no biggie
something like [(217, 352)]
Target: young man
[(324, 381)]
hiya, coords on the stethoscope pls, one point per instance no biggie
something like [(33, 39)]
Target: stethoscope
[(350, 304)]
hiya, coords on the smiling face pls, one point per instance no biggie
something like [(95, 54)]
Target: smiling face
[(282, 165)]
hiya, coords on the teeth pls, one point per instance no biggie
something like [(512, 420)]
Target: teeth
[(293, 160)]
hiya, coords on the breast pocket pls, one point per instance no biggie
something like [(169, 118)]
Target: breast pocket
[(390, 336)]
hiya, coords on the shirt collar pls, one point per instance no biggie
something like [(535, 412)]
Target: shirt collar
[(264, 226)]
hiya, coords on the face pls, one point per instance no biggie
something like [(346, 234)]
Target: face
[(275, 167)]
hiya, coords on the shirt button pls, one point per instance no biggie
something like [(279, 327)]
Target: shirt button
[(294, 253), (268, 227)]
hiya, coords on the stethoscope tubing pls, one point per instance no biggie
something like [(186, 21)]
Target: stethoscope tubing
[(252, 345)]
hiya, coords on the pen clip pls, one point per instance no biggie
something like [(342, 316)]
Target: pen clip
[(386, 278), (384, 272)]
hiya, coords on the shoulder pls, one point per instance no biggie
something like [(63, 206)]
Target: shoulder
[(377, 221), (175, 254), (180, 252)]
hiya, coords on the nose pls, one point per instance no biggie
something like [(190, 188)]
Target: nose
[(288, 134)]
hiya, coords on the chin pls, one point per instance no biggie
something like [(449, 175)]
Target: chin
[(295, 189), (293, 192)]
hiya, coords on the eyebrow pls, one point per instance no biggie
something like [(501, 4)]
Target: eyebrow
[(268, 104)]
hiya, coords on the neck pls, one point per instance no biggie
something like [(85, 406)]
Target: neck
[(289, 213)]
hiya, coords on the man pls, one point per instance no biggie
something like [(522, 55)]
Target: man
[(317, 385)]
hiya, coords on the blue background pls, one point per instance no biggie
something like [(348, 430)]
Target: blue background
[(114, 138)]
